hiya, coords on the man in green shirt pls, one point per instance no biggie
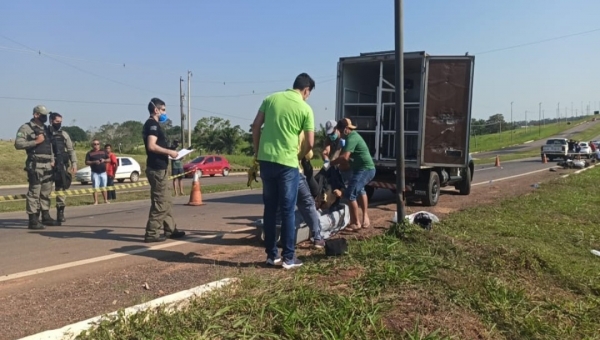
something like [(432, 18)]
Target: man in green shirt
[(285, 115), (177, 170), (355, 153)]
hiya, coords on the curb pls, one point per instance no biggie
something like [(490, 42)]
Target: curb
[(71, 331)]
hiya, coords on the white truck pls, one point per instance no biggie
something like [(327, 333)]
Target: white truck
[(555, 148), (437, 94)]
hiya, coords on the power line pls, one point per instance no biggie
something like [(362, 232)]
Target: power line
[(113, 103), (253, 93), (538, 42)]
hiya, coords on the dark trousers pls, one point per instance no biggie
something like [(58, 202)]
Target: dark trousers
[(111, 194)]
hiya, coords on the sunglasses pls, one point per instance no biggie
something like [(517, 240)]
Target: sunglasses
[(96, 144)]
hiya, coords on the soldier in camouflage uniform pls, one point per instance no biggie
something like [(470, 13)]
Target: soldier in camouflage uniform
[(34, 138), (64, 157)]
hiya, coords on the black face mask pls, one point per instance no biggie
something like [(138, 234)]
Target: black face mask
[(43, 118), (56, 126)]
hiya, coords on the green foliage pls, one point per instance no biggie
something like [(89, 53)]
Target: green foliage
[(76, 133)]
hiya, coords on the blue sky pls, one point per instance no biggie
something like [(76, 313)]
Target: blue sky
[(239, 51)]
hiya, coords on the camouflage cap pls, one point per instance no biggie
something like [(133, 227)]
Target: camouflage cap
[(41, 109)]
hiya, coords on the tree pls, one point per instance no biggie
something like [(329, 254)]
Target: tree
[(76, 133)]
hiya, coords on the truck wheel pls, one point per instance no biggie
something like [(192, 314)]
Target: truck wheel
[(370, 191), (433, 190), (465, 186)]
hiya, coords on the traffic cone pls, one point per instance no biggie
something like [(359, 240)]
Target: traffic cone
[(196, 194), (497, 161), (544, 159)]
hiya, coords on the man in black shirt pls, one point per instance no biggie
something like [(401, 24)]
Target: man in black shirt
[(157, 163)]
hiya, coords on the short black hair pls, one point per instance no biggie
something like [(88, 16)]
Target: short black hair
[(154, 102), (107, 146), (303, 80), (53, 115)]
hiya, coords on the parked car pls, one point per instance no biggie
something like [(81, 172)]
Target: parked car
[(128, 168), (207, 165), (585, 149)]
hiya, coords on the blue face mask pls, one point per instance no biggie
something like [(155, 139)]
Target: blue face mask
[(162, 118), (333, 137)]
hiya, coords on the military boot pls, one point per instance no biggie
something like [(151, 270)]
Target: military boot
[(34, 222), (47, 220), (60, 214)]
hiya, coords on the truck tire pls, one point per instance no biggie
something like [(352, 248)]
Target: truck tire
[(433, 190), (370, 191), (465, 186)]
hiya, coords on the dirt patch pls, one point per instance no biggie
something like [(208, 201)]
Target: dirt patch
[(417, 309)]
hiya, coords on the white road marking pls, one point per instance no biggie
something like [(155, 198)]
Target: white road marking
[(509, 177), (243, 229), (101, 258), (491, 168)]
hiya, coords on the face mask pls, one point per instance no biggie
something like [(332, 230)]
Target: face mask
[(162, 118), (56, 126), (333, 137), (43, 118)]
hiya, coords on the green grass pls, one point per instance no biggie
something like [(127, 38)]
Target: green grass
[(74, 201), (501, 140), (516, 269)]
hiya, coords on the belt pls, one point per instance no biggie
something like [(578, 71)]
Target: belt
[(44, 160)]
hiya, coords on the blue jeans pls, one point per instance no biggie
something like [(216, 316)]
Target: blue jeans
[(307, 209), (356, 184), (280, 190)]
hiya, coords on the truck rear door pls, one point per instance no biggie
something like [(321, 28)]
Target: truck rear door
[(445, 139)]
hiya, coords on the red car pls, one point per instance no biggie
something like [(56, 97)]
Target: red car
[(208, 165)]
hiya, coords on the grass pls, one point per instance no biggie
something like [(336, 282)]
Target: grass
[(516, 269), (501, 140), (74, 201)]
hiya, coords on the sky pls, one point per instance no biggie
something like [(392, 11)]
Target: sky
[(102, 61)]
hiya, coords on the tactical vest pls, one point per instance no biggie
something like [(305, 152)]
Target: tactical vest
[(44, 148), (59, 146)]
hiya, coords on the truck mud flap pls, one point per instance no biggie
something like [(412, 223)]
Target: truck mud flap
[(420, 189)]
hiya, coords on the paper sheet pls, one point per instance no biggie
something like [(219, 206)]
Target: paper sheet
[(182, 153)]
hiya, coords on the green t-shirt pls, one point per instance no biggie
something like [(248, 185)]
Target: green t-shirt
[(286, 115), (360, 157)]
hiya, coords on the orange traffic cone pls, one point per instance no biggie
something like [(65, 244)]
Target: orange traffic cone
[(497, 161), (196, 194), (544, 159)]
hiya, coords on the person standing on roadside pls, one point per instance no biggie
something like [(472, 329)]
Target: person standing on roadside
[(157, 163), (34, 138), (285, 115), (64, 157), (357, 154), (177, 170), (97, 159), (111, 172)]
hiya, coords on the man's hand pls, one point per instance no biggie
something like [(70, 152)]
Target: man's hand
[(39, 139), (74, 169), (52, 164), (173, 153)]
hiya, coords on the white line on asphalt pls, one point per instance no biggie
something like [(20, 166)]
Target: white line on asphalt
[(515, 176), (494, 168), (102, 258), (169, 302)]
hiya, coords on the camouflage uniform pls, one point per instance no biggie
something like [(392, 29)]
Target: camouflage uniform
[(64, 158), (38, 165)]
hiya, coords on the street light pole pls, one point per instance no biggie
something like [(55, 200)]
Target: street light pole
[(399, 75), (540, 121), (512, 125)]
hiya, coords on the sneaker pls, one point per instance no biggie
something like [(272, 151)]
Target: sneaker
[(273, 262), (293, 263), (319, 244)]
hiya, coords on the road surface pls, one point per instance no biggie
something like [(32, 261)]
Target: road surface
[(536, 144), (106, 230)]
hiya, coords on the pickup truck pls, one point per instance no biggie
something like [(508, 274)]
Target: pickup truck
[(555, 148)]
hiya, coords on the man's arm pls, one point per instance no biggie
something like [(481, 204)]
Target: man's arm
[(21, 142), (309, 129), (346, 151), (88, 159), (153, 147), (71, 151), (259, 120)]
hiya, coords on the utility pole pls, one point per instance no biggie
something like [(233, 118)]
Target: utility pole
[(399, 75), (512, 125), (181, 98), (571, 112), (526, 126), (540, 120), (189, 115), (544, 117)]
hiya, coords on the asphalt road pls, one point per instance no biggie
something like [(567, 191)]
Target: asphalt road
[(108, 230), (536, 144)]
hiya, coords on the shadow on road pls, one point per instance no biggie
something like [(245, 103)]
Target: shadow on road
[(100, 234), (238, 199)]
